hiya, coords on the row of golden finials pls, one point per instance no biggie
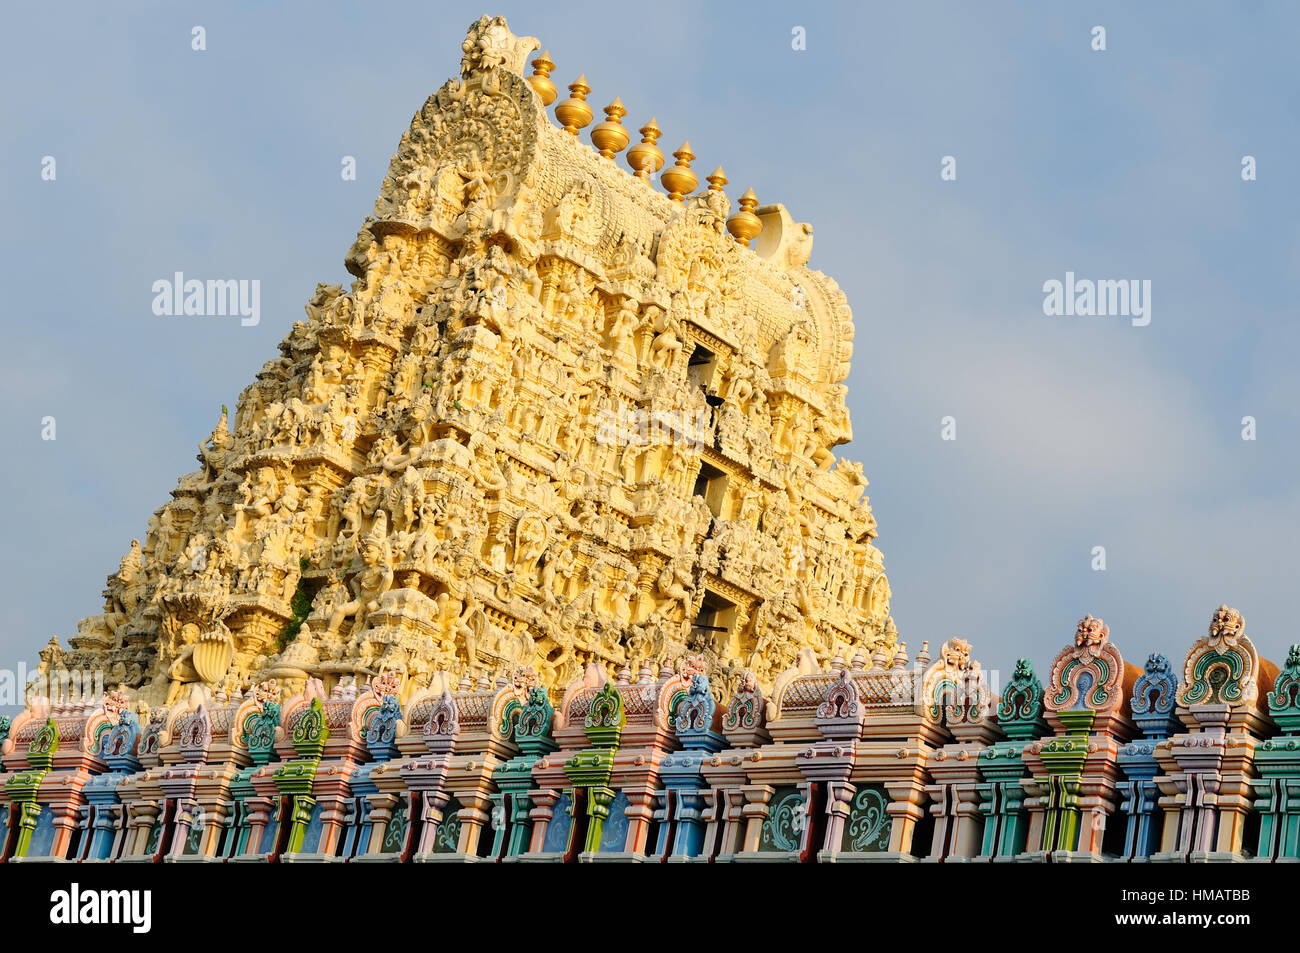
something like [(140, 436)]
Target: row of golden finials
[(646, 158)]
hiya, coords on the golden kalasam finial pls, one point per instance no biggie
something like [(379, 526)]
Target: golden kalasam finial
[(716, 179), (743, 224), (541, 78), (680, 180), (645, 157), (610, 136), (574, 113)]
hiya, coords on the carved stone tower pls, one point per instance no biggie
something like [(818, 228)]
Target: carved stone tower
[(559, 417)]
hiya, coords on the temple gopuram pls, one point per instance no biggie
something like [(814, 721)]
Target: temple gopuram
[(532, 545)]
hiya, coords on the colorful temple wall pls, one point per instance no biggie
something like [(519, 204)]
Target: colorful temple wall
[(434, 598), (880, 759)]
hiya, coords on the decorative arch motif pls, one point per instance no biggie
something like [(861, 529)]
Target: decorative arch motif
[(311, 732), (1021, 709), (1284, 699), (1023, 699), (46, 743), (695, 711), (842, 700), (381, 733), (1086, 675), (258, 731), (1154, 691), (116, 737), (955, 689), (533, 726), (606, 709), (1222, 667), (444, 718), (196, 735), (746, 710)]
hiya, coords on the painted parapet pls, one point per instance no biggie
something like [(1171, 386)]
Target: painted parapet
[(100, 820), (745, 728), (1001, 767), (147, 814), (175, 791), (1277, 789), (377, 719), (1073, 772), (454, 812), (595, 796), (764, 796), (208, 755), (649, 735), (870, 759), (308, 730), (557, 815), (50, 754), (327, 758), (959, 697), (406, 815), (259, 723), (681, 802), (1207, 769), (1152, 705), (842, 777), (512, 805)]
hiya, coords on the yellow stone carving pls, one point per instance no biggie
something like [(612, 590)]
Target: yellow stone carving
[(558, 416)]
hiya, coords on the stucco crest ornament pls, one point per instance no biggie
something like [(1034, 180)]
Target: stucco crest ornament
[(1089, 636), (119, 741), (1154, 690), (842, 699), (197, 733), (115, 703), (311, 730), (747, 709), (1222, 667), (1087, 673), (381, 732), (1154, 697), (444, 718), (694, 665), (386, 684), (155, 733), (261, 726), (267, 691), (525, 678), (695, 711), (955, 688), (1226, 627), (606, 709), (1284, 699), (490, 45), (533, 726), (1285, 695), (1023, 697)]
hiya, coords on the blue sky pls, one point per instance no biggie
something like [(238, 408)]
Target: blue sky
[(1072, 432)]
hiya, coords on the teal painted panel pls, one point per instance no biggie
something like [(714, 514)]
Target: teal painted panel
[(784, 824), (867, 828)]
